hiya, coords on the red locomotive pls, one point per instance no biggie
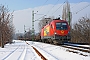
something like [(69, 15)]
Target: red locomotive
[(57, 31)]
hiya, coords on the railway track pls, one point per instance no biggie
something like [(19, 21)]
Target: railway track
[(81, 50), (26, 50), (76, 49), (19, 50), (40, 53), (42, 57)]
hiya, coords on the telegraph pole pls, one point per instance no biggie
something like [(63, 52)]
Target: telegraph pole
[(69, 19), (24, 33), (33, 25)]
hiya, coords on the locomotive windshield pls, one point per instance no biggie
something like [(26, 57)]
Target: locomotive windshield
[(61, 26)]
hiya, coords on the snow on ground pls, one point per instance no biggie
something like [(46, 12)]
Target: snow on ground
[(21, 51), (60, 53), (18, 51)]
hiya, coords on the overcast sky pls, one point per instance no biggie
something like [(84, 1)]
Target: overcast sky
[(23, 10)]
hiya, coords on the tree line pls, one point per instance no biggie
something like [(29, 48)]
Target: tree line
[(6, 26), (80, 33)]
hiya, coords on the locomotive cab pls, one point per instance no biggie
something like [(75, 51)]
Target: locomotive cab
[(62, 31)]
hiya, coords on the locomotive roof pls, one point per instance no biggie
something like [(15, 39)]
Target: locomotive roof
[(59, 20), (55, 20)]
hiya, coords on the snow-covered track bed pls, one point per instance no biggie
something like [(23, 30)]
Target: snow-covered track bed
[(43, 53), (40, 54), (75, 48), (46, 54), (84, 46), (17, 53), (54, 52), (22, 51)]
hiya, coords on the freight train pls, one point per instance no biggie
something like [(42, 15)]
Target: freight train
[(56, 32)]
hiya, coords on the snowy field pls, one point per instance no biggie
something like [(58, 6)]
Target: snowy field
[(22, 51)]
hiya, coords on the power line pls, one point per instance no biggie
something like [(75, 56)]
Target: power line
[(40, 17), (48, 11), (58, 8), (40, 9), (52, 7), (76, 4), (42, 6), (82, 9)]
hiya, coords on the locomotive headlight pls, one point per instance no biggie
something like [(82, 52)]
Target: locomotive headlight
[(55, 33)]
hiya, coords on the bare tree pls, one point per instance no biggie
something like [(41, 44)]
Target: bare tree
[(66, 14), (81, 31), (6, 26)]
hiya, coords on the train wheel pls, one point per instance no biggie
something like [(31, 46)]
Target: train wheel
[(43, 40), (55, 42), (50, 41)]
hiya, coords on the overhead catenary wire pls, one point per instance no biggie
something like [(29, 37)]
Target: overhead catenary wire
[(52, 7), (42, 6), (58, 8), (82, 9), (40, 18), (40, 9), (76, 4), (48, 11)]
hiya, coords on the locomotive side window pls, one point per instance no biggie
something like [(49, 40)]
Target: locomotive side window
[(61, 26)]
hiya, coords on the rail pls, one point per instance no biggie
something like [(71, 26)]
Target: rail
[(42, 57)]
